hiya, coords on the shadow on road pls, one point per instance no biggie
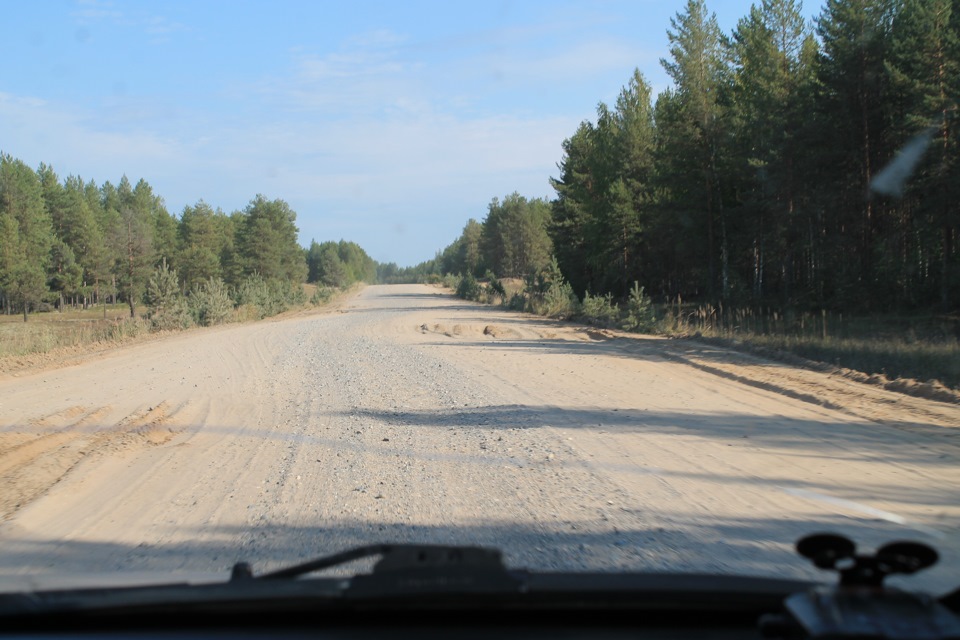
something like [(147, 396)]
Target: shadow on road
[(822, 438)]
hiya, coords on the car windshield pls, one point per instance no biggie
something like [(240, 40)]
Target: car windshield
[(656, 286)]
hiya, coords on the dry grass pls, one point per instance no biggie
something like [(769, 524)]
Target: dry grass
[(74, 329), (51, 330), (920, 347)]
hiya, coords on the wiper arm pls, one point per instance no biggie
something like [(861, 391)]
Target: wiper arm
[(243, 570), (408, 569)]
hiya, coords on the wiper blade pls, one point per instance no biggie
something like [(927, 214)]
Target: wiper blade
[(394, 557), (408, 569), (243, 570)]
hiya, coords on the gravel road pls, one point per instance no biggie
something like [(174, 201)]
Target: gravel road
[(406, 415)]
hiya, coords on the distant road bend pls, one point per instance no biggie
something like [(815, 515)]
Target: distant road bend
[(405, 414)]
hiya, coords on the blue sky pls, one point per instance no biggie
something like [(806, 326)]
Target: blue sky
[(386, 123)]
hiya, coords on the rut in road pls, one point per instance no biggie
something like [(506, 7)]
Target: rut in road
[(407, 415)]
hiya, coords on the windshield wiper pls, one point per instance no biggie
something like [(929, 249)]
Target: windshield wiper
[(408, 569)]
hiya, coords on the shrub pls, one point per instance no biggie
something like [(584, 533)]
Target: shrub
[(210, 303), (174, 317), (468, 288), (321, 296), (549, 294), (599, 310), (494, 286), (518, 302), (254, 295), (451, 281), (493, 291), (640, 315), (559, 301), (166, 308), (291, 293), (163, 289), (268, 298)]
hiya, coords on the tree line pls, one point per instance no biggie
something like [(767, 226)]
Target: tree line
[(72, 242), (788, 166), (513, 241)]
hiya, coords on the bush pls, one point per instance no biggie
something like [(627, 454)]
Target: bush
[(167, 309), (321, 296), (268, 298), (559, 301), (599, 310), (173, 317), (640, 315), (292, 293), (253, 294), (549, 294), (468, 288), (518, 302), (494, 286), (163, 289), (451, 281), (210, 303)]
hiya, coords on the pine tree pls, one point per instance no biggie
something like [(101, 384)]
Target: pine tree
[(852, 116), (267, 240), (572, 212), (26, 235), (771, 68), (200, 245), (134, 240), (924, 68), (699, 70), (630, 195)]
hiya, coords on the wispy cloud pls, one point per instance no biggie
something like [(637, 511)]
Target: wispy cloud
[(90, 11), (316, 68), (159, 28), (568, 64), (367, 77), (71, 141), (378, 38)]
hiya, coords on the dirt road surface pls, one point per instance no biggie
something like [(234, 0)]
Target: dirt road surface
[(407, 415)]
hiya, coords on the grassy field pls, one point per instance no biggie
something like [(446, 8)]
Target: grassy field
[(922, 347), (50, 330)]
